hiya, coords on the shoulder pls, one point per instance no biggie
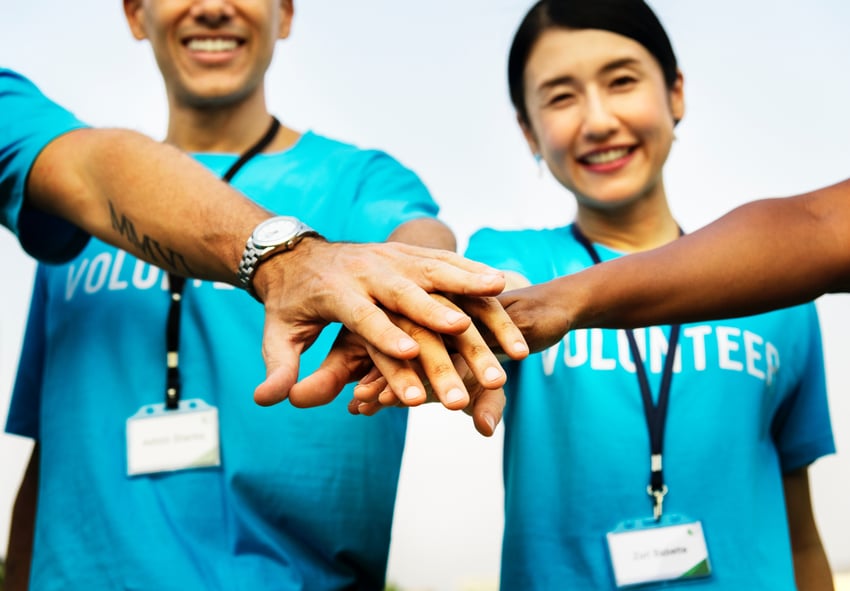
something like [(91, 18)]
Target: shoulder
[(12, 83), (537, 241), (20, 97), (537, 254), (341, 154)]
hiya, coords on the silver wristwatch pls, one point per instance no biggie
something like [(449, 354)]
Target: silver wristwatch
[(274, 235)]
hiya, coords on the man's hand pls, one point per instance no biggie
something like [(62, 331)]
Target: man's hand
[(320, 282)]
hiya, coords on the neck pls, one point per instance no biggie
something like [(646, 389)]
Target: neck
[(226, 129), (642, 225)]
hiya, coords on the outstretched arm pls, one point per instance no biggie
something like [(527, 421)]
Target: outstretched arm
[(148, 198), (159, 204), (764, 255)]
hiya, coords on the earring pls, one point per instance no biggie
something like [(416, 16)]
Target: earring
[(538, 159)]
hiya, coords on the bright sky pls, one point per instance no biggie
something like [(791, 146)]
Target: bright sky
[(767, 95)]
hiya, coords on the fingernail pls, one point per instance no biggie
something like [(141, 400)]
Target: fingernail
[(454, 395), (491, 374), (406, 344), (412, 392), (491, 422), (520, 347), (453, 316), (492, 278)]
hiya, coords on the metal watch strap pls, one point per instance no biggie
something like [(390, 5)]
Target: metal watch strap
[(247, 266), (253, 256)]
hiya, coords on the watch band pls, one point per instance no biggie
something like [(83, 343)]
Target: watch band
[(253, 255), (248, 266)]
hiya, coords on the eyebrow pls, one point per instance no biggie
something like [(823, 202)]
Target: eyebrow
[(609, 67)]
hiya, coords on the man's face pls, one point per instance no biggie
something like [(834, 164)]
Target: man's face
[(211, 52)]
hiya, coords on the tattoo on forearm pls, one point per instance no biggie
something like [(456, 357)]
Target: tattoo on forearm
[(147, 246)]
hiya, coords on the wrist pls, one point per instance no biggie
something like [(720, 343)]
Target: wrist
[(285, 266), (270, 239)]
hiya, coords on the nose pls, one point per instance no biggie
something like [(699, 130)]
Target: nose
[(212, 13), (600, 122)]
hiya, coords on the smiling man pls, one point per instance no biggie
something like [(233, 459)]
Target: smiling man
[(157, 470)]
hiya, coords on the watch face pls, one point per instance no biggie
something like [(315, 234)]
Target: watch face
[(275, 231)]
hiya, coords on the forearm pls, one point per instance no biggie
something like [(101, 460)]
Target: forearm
[(148, 198), (811, 568), (764, 255)]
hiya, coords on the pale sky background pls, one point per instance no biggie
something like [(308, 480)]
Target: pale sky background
[(767, 91)]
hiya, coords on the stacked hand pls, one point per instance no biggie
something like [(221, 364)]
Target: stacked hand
[(458, 370), (382, 294)]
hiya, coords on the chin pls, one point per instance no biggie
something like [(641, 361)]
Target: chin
[(608, 203), (215, 97)]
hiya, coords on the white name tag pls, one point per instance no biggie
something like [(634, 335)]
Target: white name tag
[(644, 551), (160, 440)]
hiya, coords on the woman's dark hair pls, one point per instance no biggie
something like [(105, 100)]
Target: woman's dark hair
[(629, 18)]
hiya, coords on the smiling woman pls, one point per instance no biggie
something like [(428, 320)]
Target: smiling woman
[(614, 421)]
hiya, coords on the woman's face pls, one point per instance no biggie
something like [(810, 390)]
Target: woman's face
[(600, 114)]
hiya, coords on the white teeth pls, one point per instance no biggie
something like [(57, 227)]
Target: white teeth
[(606, 156), (212, 44)]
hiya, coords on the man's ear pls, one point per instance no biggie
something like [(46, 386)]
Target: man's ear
[(287, 11), (133, 11)]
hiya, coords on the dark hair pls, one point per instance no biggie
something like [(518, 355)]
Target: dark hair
[(629, 18)]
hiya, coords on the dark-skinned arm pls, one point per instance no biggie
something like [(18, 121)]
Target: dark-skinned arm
[(764, 255)]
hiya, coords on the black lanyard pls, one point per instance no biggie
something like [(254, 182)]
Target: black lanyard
[(656, 414), (177, 283)]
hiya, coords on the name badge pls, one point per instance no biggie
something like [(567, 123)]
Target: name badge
[(160, 440), (645, 551)]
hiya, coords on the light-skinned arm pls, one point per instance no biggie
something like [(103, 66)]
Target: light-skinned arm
[(158, 204)]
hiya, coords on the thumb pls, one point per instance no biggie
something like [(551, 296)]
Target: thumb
[(281, 354), (279, 381), (346, 362)]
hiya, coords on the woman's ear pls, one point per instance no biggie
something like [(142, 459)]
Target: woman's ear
[(677, 97)]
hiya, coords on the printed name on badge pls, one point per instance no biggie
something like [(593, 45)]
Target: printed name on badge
[(647, 552), (160, 440)]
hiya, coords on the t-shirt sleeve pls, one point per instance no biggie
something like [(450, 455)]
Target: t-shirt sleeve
[(801, 426), (497, 249), (25, 407), (387, 196), (28, 123)]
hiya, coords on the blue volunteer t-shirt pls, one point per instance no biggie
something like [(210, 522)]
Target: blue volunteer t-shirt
[(29, 122), (303, 499), (747, 403)]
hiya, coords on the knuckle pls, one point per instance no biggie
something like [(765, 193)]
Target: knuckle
[(441, 370)]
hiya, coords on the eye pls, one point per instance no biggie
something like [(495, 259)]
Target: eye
[(623, 82), (560, 98)]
